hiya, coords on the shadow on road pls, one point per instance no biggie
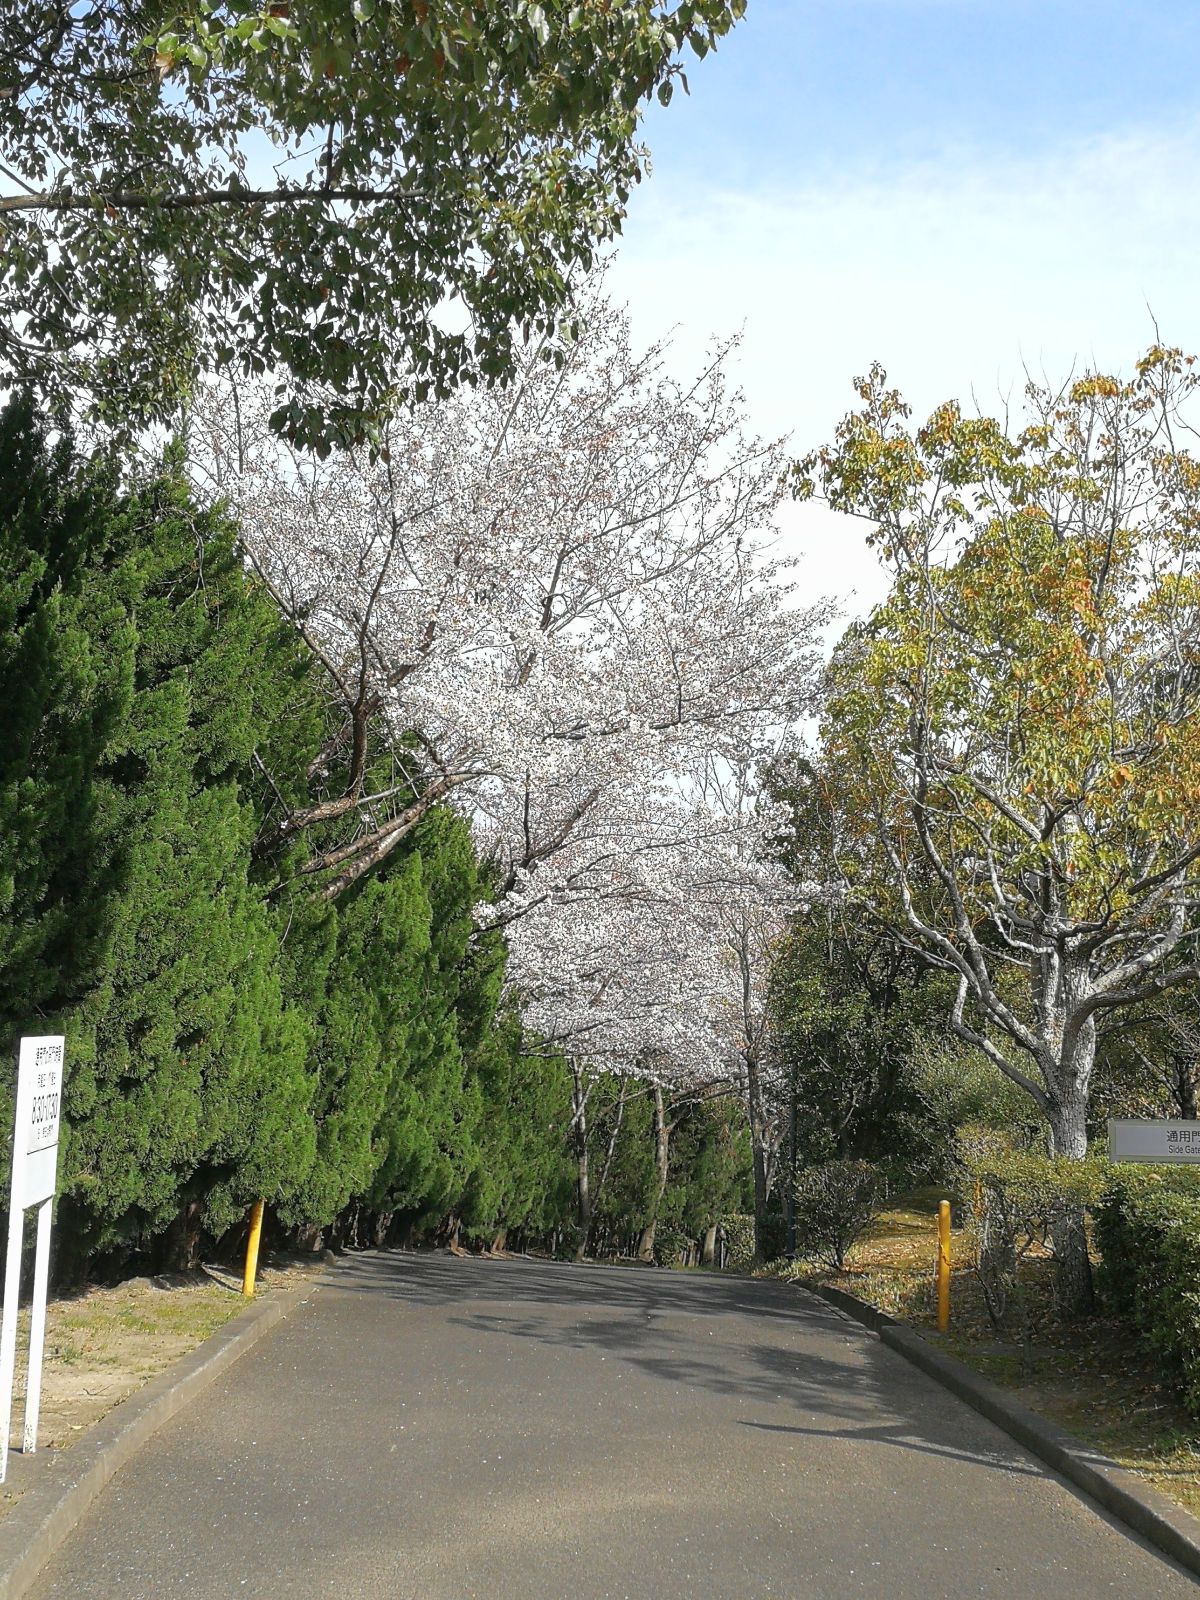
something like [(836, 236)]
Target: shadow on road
[(750, 1341)]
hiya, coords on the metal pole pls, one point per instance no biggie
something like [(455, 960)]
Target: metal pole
[(8, 1327), (943, 1267), (37, 1327), (248, 1276)]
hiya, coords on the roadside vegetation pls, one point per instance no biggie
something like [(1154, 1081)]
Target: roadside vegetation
[(1096, 1382)]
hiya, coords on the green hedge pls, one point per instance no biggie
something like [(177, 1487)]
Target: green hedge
[(1148, 1232), (739, 1240), (1020, 1199), (230, 1037)]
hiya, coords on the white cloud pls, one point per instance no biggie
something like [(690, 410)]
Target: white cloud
[(956, 275)]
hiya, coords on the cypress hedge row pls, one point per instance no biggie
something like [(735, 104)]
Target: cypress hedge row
[(230, 1035)]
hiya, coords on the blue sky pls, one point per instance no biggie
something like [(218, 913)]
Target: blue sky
[(966, 190), (809, 86)]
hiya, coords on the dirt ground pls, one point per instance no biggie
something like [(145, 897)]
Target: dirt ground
[(103, 1343)]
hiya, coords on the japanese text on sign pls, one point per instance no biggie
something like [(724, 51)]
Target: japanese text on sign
[(1131, 1140), (41, 1130)]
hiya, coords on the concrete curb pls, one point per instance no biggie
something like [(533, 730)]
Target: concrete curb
[(66, 1483), (1158, 1520)]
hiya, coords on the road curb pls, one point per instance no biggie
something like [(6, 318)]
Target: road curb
[(1158, 1520), (67, 1483)]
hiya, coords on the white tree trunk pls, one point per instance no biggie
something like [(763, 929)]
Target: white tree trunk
[(1068, 1082), (662, 1168)]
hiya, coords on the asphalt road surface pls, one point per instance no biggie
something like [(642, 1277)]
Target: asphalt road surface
[(436, 1429)]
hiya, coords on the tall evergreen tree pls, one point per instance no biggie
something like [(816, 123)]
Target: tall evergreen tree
[(66, 683), (134, 658)]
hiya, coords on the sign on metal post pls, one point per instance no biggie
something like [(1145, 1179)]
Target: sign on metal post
[(1131, 1140), (34, 1177)]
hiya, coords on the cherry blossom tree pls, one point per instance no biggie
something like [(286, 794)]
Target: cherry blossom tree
[(557, 607), (610, 971), (743, 897), (660, 973), (548, 602)]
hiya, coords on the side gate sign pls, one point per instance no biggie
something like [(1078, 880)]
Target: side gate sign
[(1132, 1140), (34, 1179)]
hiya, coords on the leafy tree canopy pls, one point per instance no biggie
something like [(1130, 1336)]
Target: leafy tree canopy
[(1019, 724), (304, 186)]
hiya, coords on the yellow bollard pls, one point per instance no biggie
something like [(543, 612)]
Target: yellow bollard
[(248, 1276), (943, 1266)]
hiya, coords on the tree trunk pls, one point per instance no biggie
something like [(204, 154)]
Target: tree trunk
[(585, 1199), (308, 1237), (758, 1153), (1185, 1086), (662, 1167), (708, 1253), (612, 1144), (789, 1192), (579, 1108), (181, 1252), (1068, 1233)]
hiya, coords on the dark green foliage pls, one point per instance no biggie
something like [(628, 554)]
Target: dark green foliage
[(66, 682), (852, 1016), (226, 1041), (622, 1160), (836, 1202), (523, 1182), (354, 972), (710, 1166), (672, 1244), (134, 656), (1149, 1066), (1148, 1231), (431, 1129), (738, 1228)]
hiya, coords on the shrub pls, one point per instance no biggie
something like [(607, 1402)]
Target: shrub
[(1148, 1231), (773, 1235), (739, 1240), (671, 1244), (1018, 1197), (836, 1202)]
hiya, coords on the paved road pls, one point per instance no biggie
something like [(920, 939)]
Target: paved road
[(435, 1429)]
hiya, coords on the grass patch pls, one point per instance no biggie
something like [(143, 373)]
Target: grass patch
[(1091, 1378), (131, 1327)]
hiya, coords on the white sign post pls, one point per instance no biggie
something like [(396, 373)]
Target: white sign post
[(34, 1177), (1131, 1140)]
